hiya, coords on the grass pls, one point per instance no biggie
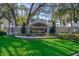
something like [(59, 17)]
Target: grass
[(11, 46)]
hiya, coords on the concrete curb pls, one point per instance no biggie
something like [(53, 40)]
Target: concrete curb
[(32, 37)]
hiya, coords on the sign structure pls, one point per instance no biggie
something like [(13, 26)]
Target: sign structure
[(38, 28)]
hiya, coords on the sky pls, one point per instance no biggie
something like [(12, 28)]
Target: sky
[(27, 4)]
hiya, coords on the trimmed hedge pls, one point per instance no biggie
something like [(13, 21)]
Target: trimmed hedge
[(2, 33), (23, 29), (31, 34), (69, 36)]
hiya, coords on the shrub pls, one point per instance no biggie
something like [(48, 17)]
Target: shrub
[(23, 29), (69, 36), (53, 28), (25, 34), (39, 34), (2, 33)]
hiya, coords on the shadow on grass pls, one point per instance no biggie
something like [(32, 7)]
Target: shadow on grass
[(76, 42), (59, 43), (42, 48), (32, 47), (35, 47)]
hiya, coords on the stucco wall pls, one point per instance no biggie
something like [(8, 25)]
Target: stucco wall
[(67, 29), (17, 30)]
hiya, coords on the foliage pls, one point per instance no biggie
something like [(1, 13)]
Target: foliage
[(69, 36), (2, 33), (23, 29), (65, 13), (21, 19), (53, 29)]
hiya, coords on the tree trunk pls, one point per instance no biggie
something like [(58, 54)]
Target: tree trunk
[(72, 17), (12, 10), (71, 28), (27, 21), (9, 30), (34, 12)]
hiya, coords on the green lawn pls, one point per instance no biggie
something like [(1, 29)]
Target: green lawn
[(41, 47)]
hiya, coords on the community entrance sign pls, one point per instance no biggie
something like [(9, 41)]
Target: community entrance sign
[(38, 28)]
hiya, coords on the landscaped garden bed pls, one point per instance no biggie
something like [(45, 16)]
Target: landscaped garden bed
[(71, 36)]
